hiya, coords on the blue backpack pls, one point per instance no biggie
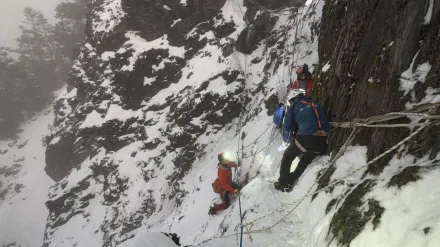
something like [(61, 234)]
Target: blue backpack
[(279, 116)]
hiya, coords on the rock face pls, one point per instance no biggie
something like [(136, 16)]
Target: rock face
[(366, 46)]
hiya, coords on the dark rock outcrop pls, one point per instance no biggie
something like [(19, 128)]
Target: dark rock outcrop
[(59, 158), (351, 217), (368, 45)]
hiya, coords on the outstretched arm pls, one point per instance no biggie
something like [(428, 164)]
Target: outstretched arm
[(226, 185)]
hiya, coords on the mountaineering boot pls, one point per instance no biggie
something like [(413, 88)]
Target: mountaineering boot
[(211, 211), (278, 186), (218, 207), (282, 188)]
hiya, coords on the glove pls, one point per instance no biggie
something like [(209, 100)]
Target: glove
[(236, 191)]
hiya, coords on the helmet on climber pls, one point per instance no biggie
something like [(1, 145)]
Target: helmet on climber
[(302, 70), (224, 157)]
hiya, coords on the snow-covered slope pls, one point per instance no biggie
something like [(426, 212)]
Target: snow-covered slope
[(24, 184), (160, 88)]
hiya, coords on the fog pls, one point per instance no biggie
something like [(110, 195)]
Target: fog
[(11, 16)]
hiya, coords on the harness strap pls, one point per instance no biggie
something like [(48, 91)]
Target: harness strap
[(316, 112), (300, 146)]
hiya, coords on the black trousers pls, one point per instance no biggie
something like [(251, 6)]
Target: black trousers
[(315, 146), (227, 196)]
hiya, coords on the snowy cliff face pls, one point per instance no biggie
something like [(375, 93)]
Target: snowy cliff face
[(155, 94), (161, 87)]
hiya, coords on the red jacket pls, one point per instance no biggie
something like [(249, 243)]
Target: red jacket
[(309, 85), (225, 176)]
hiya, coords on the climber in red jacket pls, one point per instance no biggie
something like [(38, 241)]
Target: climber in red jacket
[(303, 80), (223, 185)]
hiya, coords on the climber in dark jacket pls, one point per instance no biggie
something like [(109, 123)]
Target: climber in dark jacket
[(306, 129)]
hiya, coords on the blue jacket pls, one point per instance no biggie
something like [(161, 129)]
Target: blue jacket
[(302, 119)]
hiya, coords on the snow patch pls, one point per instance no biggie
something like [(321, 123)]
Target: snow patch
[(149, 239), (117, 112), (411, 216), (89, 46), (106, 83), (55, 140), (93, 119), (140, 45), (109, 17), (409, 78), (432, 95), (107, 55), (175, 22), (354, 158), (428, 15), (326, 67), (149, 80)]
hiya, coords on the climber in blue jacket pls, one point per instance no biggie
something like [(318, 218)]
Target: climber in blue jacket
[(306, 128)]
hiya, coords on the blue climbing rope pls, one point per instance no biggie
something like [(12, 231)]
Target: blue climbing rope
[(241, 221), (239, 202)]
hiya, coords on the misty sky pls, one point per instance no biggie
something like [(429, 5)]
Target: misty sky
[(11, 16)]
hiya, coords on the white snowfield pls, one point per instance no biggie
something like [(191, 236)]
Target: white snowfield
[(149, 239), (410, 218), (23, 213)]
